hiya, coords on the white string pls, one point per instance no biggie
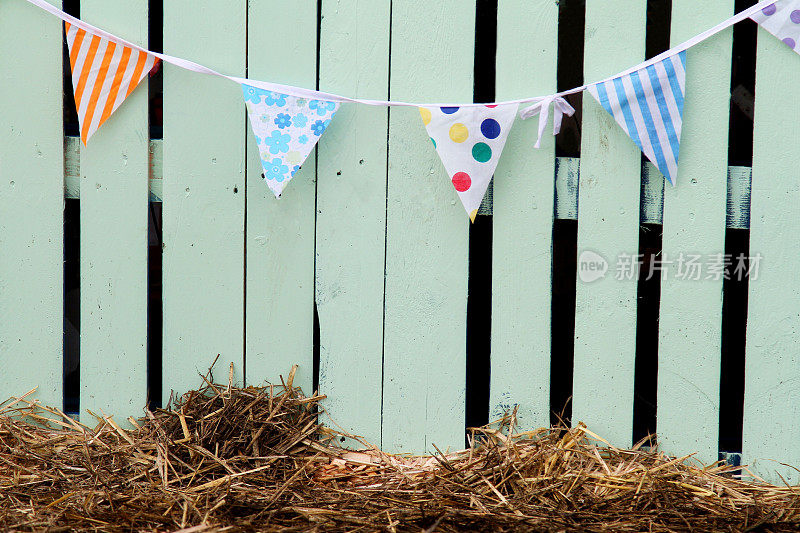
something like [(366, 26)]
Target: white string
[(310, 93)]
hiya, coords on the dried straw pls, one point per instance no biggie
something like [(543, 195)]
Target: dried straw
[(225, 458)]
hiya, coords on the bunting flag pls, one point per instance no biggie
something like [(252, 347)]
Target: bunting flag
[(286, 129), (781, 19), (648, 105), (104, 74), (469, 141)]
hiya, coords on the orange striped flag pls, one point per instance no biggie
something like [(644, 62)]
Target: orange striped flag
[(104, 73)]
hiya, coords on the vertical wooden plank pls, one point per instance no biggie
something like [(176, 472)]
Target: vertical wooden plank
[(351, 215), (204, 132), (608, 224), (523, 219), (280, 232), (114, 202), (690, 321), (427, 235), (31, 203), (771, 395)]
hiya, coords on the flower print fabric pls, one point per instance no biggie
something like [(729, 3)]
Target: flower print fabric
[(286, 129), (283, 120)]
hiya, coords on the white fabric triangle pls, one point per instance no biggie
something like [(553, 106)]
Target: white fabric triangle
[(104, 74), (648, 106), (286, 129), (782, 19), (469, 141)]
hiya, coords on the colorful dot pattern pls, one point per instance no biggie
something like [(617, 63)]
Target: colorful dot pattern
[(286, 129), (469, 141), (781, 19)]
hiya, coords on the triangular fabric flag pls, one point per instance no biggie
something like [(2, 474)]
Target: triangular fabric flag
[(286, 129), (104, 74), (781, 19), (469, 141), (648, 105)]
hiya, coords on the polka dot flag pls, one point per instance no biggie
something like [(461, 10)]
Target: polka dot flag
[(469, 141), (782, 19)]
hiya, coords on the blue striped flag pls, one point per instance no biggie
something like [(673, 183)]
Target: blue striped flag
[(648, 105)]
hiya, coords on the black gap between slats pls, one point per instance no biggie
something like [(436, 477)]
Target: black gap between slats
[(479, 301), (645, 381), (155, 36), (154, 235), (737, 241), (71, 126), (316, 335), (645, 384), (571, 22), (72, 234), (72, 305)]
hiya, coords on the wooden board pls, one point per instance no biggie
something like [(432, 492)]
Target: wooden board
[(351, 215), (113, 262), (204, 133), (771, 396), (427, 235), (280, 232), (608, 225), (31, 203), (523, 219), (690, 322)]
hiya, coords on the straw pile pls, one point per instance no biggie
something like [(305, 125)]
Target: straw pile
[(246, 459)]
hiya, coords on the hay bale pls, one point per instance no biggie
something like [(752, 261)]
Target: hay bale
[(224, 458)]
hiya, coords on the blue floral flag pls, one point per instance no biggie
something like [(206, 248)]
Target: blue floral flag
[(286, 129)]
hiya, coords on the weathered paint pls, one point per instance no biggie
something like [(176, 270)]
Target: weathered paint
[(772, 360), (523, 221), (113, 221), (351, 215), (280, 232), (427, 233), (738, 204), (31, 204), (690, 323), (608, 224), (203, 214), (651, 204)]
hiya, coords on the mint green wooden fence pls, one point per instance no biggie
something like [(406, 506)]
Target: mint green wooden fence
[(372, 232)]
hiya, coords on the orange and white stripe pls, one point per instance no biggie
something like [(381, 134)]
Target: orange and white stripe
[(104, 73)]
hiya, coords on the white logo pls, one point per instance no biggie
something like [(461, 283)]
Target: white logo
[(591, 266)]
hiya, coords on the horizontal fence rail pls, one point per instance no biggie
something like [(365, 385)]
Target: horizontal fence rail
[(567, 177)]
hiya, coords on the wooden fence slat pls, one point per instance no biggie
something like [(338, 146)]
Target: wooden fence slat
[(427, 235), (690, 321), (523, 219), (280, 232), (31, 203), (113, 212), (771, 394), (203, 216), (608, 224), (351, 215)]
